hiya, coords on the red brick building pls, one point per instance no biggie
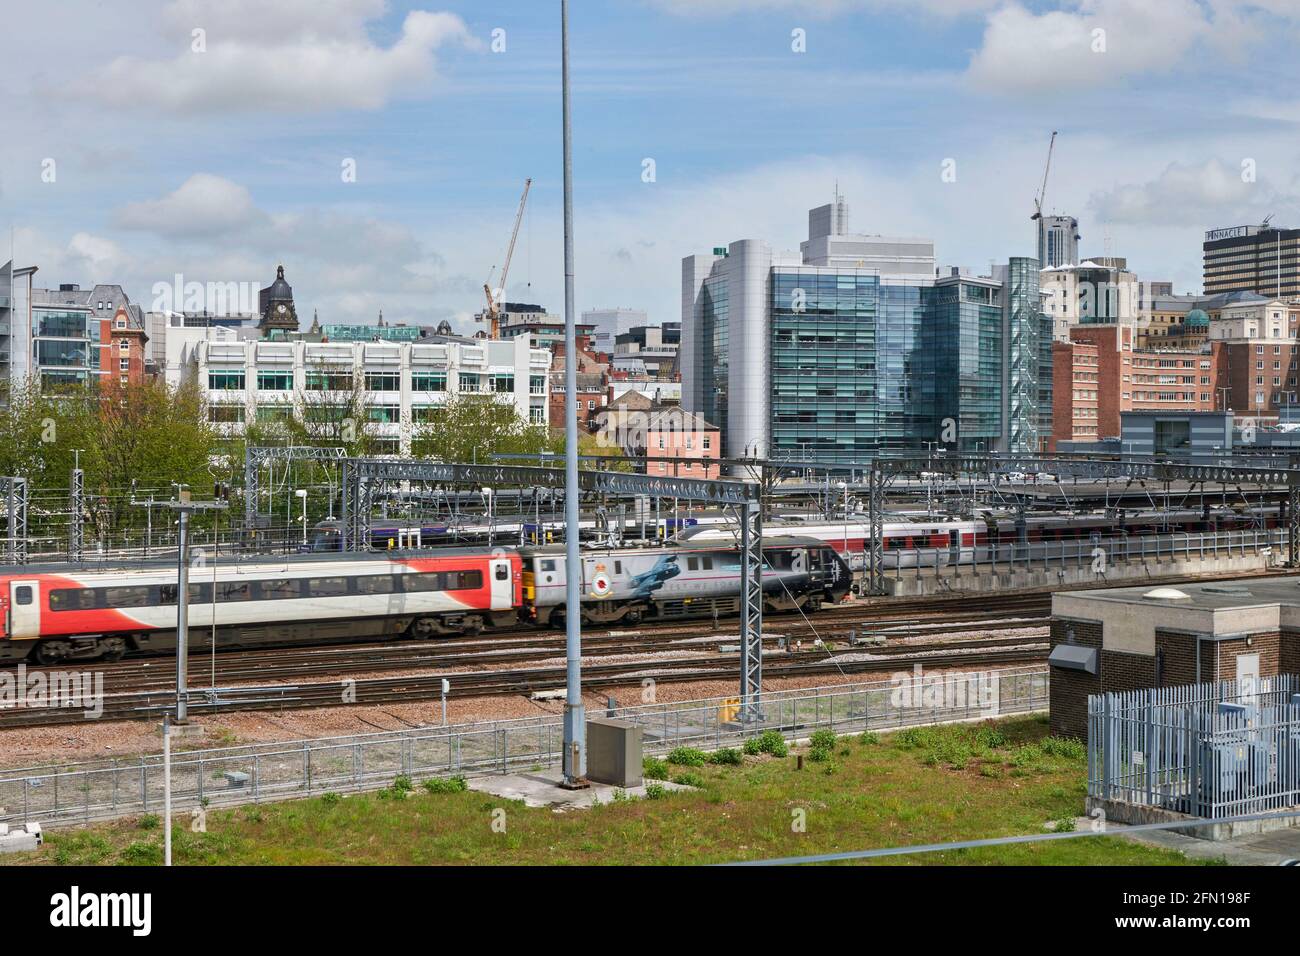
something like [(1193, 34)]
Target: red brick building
[(122, 354), (593, 383), (1099, 374)]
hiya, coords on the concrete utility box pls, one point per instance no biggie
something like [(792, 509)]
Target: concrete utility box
[(25, 837), (613, 752)]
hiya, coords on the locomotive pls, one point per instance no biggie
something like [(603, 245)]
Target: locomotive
[(54, 614)]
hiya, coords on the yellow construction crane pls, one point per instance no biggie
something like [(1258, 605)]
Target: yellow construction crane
[(492, 315)]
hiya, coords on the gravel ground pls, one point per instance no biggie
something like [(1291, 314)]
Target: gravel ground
[(44, 745)]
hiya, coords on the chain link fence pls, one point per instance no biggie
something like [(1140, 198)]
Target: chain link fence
[(230, 776)]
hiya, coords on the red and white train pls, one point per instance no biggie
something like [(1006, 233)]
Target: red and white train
[(925, 540), (57, 615)]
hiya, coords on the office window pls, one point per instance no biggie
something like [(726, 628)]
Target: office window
[(274, 381), (226, 380)]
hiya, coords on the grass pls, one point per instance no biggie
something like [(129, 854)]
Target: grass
[(927, 785)]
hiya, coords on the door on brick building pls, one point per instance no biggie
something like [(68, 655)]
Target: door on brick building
[(1248, 675)]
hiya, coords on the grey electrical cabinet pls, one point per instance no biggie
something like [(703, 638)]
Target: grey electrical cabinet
[(613, 752)]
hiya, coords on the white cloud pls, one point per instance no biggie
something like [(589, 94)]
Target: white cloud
[(204, 205), (298, 57), (1199, 195), (1063, 51), (821, 8)]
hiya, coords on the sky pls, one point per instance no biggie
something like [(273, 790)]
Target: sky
[(378, 149)]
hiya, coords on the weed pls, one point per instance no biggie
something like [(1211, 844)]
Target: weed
[(687, 757), (456, 784), (652, 768)]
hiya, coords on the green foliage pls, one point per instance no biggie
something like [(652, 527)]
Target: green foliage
[(655, 791), (990, 737), (456, 784), (1068, 748), (728, 756), (141, 853), (820, 754), (689, 779), (80, 848), (868, 738), (652, 768), (331, 798), (149, 821), (1064, 825), (401, 787), (768, 742), (687, 757), (823, 739)]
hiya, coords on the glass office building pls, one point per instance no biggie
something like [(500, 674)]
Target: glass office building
[(858, 348)]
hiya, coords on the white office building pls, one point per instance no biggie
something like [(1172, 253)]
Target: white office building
[(246, 380)]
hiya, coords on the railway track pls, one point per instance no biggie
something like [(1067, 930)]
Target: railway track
[(149, 704)]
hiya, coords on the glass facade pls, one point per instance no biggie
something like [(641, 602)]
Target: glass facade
[(825, 401), (968, 365), (714, 331), (1024, 351)]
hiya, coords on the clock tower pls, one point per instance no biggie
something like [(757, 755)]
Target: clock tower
[(275, 303)]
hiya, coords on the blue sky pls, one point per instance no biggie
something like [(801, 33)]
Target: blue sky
[(218, 163)]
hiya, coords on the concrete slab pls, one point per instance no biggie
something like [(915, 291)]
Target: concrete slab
[(542, 789), (1256, 849)]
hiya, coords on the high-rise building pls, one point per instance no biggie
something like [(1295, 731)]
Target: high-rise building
[(15, 323), (1058, 241), (857, 346), (1263, 259), (608, 324)]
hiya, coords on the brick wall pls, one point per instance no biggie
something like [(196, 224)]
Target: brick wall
[(1069, 688)]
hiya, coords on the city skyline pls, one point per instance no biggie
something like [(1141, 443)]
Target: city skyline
[(221, 163)]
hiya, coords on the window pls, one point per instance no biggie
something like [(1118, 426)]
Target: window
[(591, 405), (329, 381), (218, 414), (23, 595), (548, 565), (65, 599), (124, 365), (226, 381), (384, 414), (235, 591), (503, 382), (708, 442), (428, 381), (123, 345), (199, 594), (376, 584), (278, 588), (383, 381), (126, 597), (692, 564), (275, 381), (327, 587), (502, 573), (275, 413)]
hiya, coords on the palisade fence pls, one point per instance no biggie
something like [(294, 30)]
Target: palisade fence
[(229, 776), (1080, 554), (1208, 750)]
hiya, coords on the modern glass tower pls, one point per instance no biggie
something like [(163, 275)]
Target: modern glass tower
[(857, 347)]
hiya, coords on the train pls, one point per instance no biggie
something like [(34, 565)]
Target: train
[(55, 614), (388, 535), (926, 541)]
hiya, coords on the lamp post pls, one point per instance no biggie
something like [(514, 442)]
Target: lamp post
[(575, 730)]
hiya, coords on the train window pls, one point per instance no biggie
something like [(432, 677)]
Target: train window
[(376, 584), (431, 581), (618, 567), (235, 591), (126, 597), (69, 599), (707, 563), (23, 595), (327, 587), (465, 581), (279, 588), (502, 573), (199, 594), (548, 565), (692, 564)]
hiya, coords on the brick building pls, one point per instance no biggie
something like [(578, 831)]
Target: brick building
[(1100, 374), (1122, 639), (660, 433), (124, 363), (593, 383)]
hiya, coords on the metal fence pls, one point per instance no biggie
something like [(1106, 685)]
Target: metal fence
[(229, 776), (1063, 555), (1209, 750)]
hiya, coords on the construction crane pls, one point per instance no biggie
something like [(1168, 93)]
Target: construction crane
[(1043, 189), (492, 315)]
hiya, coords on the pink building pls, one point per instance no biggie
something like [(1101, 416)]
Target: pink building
[(662, 433)]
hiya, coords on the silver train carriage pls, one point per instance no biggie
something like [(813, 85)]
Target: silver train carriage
[(681, 579)]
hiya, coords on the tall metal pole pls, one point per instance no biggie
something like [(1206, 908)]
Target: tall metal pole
[(575, 730), (182, 613)]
